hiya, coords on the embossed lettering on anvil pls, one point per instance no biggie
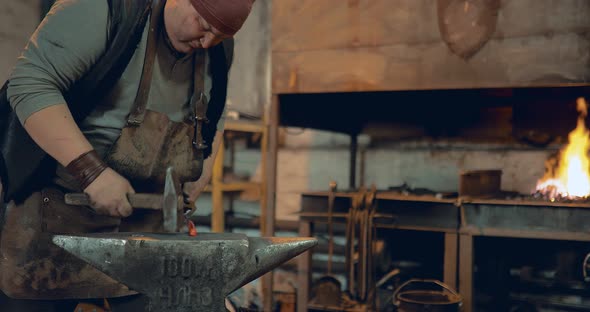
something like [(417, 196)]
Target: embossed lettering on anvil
[(188, 267), (185, 296)]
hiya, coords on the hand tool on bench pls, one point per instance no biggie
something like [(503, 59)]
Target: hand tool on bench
[(170, 202)]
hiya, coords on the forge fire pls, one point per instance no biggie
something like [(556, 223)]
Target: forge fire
[(567, 174)]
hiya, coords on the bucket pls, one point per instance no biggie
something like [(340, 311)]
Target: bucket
[(425, 300)]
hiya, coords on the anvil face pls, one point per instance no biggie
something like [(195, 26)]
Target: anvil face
[(182, 273)]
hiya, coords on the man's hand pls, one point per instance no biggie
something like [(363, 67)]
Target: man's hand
[(192, 190), (108, 194)]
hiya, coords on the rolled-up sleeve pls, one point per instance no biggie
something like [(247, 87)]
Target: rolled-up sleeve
[(67, 43)]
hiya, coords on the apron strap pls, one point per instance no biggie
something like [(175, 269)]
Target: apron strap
[(199, 101), (138, 112), (199, 104)]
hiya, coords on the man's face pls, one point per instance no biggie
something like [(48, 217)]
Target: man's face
[(186, 28)]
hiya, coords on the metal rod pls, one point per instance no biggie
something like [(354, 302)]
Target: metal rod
[(249, 223), (353, 152), (316, 266), (330, 225), (280, 225), (218, 212), (362, 166)]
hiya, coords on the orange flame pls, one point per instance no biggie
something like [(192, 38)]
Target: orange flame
[(569, 175)]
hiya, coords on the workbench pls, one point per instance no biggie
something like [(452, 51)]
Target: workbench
[(460, 220)]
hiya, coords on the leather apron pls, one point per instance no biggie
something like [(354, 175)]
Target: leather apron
[(31, 267)]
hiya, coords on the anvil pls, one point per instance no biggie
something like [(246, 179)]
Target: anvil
[(182, 273)]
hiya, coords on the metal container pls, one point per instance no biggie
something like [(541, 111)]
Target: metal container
[(480, 183), (426, 300)]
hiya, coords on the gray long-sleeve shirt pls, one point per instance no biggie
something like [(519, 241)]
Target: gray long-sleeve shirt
[(68, 43)]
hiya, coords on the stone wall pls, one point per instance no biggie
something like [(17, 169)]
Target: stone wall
[(310, 159), (249, 81), (18, 19)]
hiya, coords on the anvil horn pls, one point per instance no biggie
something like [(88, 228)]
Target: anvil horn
[(182, 273), (268, 253)]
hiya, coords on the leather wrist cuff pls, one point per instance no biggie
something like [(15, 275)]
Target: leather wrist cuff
[(86, 168)]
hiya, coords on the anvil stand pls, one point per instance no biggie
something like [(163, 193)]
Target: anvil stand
[(179, 273)]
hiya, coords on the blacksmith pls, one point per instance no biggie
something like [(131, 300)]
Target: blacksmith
[(112, 92)]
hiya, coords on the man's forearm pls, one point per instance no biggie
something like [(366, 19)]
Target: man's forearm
[(55, 131), (208, 163), (193, 189)]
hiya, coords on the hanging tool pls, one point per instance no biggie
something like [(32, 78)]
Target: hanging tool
[(368, 272), (352, 254), (327, 290)]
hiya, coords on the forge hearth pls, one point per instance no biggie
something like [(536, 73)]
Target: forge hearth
[(538, 196), (462, 222), (508, 197)]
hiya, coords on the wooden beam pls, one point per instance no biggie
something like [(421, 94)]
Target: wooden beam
[(244, 126), (450, 259), (374, 45), (304, 270), (505, 63), (263, 174), (466, 271), (296, 24), (268, 215)]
